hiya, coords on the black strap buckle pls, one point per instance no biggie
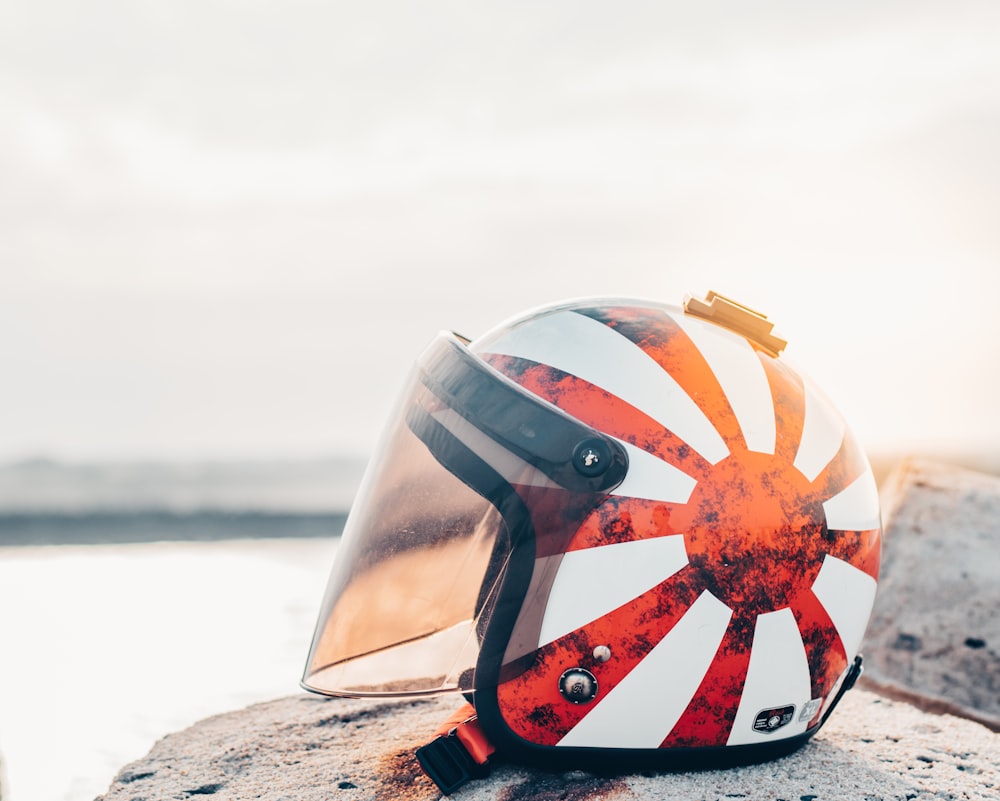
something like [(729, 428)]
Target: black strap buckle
[(853, 674), (447, 762)]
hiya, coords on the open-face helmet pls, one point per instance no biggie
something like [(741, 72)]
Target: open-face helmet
[(629, 533)]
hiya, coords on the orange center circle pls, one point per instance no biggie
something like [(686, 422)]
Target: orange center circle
[(755, 531)]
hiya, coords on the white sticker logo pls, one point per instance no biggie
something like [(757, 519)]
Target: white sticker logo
[(810, 708)]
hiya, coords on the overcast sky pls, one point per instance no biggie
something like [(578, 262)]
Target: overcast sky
[(227, 228)]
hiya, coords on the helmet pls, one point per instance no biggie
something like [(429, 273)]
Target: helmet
[(624, 530)]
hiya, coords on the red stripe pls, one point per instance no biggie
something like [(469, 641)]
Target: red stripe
[(621, 519), (664, 341), (860, 549), (709, 717), (531, 703), (789, 407), (824, 650), (849, 464)]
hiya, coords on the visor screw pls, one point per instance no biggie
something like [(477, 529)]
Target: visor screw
[(602, 653), (592, 457), (578, 686)]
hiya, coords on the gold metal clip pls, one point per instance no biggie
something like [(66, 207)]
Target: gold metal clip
[(736, 317)]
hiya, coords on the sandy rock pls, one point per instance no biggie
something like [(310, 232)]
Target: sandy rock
[(307, 748), (934, 638)]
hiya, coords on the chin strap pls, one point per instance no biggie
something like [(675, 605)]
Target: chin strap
[(460, 751)]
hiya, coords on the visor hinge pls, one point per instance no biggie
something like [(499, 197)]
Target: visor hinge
[(738, 318), (458, 754)]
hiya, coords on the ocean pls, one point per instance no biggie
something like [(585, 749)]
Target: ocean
[(137, 599)]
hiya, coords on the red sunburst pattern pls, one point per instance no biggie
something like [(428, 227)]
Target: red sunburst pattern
[(754, 529)]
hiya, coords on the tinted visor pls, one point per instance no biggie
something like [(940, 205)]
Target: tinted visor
[(426, 561)]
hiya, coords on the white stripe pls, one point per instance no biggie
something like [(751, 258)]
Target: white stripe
[(778, 675), (740, 373), (595, 581), (512, 468), (653, 479), (644, 706), (588, 349), (847, 595), (854, 508), (822, 433)]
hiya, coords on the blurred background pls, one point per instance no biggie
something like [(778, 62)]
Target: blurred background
[(226, 229)]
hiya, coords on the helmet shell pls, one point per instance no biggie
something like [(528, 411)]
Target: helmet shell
[(718, 597)]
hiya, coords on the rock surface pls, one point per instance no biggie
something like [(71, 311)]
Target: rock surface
[(934, 642), (307, 748), (934, 637)]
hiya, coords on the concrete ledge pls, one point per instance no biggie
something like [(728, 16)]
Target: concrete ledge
[(308, 748), (934, 637)]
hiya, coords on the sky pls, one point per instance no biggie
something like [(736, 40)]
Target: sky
[(227, 229)]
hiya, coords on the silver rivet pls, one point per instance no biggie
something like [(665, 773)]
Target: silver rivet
[(578, 686), (602, 653), (592, 457)]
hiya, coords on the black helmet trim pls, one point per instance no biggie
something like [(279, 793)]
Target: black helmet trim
[(573, 455)]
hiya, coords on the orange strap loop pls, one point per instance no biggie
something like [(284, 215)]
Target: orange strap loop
[(459, 752)]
